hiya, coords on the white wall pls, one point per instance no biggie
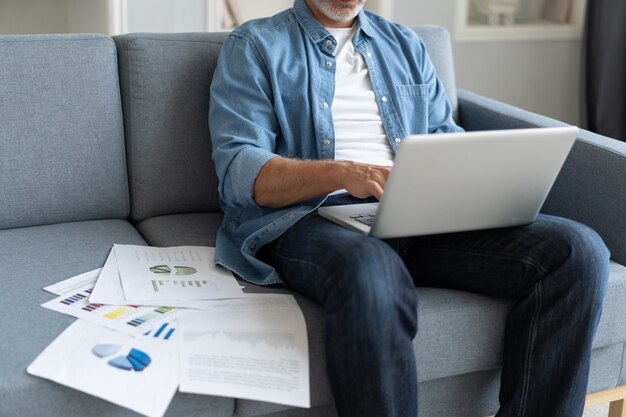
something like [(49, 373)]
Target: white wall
[(540, 76), (166, 15), (251, 9)]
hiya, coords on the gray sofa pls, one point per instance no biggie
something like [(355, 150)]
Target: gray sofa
[(105, 141)]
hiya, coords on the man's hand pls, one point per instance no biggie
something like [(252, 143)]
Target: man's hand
[(363, 180), (283, 182)]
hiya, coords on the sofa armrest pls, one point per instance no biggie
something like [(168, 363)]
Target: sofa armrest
[(591, 187)]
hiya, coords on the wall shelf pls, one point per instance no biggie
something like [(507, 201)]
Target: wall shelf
[(530, 23)]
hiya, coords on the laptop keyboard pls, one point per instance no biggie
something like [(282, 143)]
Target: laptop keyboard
[(367, 219)]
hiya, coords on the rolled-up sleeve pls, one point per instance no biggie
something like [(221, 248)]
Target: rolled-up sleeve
[(242, 121)]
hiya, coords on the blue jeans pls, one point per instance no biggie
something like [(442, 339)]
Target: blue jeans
[(555, 269)]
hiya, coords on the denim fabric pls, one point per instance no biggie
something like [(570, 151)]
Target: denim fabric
[(556, 271), (272, 95)]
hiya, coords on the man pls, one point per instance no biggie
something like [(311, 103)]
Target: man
[(307, 108)]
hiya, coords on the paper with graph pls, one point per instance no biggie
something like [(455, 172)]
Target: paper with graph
[(108, 289), (252, 348), (152, 275), (135, 373)]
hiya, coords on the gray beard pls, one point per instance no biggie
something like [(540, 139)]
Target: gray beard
[(337, 14)]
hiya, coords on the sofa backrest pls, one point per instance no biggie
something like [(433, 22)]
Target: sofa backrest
[(61, 132), (165, 81)]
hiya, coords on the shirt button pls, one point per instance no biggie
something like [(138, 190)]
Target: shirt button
[(397, 140), (326, 142), (252, 246), (329, 64), (329, 42), (325, 105), (369, 54), (291, 215), (384, 99)]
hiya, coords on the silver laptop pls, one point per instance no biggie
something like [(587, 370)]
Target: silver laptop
[(454, 182)]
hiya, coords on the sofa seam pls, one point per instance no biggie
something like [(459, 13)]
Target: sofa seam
[(143, 38)]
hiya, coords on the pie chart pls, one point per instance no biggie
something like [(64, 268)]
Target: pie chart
[(136, 360)]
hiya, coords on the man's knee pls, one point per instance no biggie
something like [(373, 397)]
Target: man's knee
[(582, 253), (372, 281)]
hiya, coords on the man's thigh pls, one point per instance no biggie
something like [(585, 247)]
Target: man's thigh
[(315, 256), (503, 262)]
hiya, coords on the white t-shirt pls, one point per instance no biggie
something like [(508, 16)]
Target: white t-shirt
[(359, 132)]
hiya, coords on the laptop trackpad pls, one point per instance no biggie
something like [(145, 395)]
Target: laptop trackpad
[(357, 217)]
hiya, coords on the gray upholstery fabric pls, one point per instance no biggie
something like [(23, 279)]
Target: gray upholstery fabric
[(477, 112), (195, 229), (587, 189), (324, 411), (61, 138), (165, 80), (40, 256), (474, 395), (437, 40)]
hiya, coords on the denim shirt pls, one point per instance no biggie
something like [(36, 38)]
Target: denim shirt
[(272, 94)]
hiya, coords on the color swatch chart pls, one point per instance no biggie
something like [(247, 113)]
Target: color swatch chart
[(130, 320), (150, 316)]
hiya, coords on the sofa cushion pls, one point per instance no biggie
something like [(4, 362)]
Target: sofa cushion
[(61, 135), (194, 229), (165, 80), (31, 259)]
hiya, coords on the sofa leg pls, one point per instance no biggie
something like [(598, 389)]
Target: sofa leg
[(617, 408)]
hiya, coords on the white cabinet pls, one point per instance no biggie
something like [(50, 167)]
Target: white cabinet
[(531, 20)]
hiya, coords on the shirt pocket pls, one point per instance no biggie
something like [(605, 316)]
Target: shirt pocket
[(412, 90), (414, 107)]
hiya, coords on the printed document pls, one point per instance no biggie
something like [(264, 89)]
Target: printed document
[(108, 288), (131, 372), (152, 275), (252, 348), (73, 283)]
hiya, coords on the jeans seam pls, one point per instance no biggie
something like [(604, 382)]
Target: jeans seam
[(529, 352)]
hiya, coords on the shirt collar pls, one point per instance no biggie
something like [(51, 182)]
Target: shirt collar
[(314, 29)]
